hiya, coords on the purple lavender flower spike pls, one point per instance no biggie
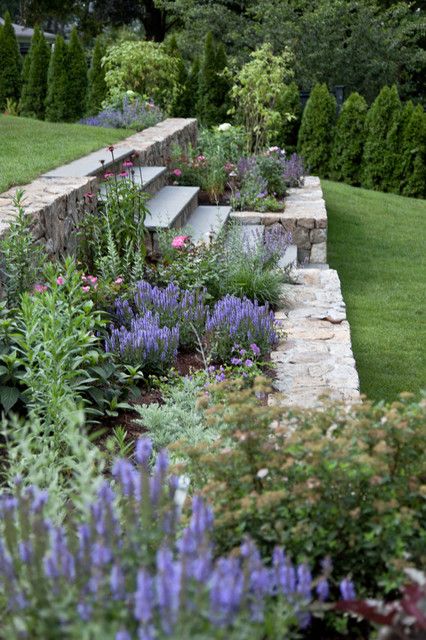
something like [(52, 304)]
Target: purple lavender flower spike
[(144, 597), (323, 589), (347, 589), (143, 451)]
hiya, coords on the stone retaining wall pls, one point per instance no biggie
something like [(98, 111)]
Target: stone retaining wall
[(56, 203), (305, 216), (314, 359)]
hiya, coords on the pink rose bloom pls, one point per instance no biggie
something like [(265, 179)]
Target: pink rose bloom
[(86, 289), (179, 241), (177, 172), (60, 280), (40, 288), (118, 281)]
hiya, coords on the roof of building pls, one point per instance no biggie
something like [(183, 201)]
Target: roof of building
[(25, 33)]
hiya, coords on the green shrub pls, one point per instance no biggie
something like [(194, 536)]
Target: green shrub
[(348, 144), (144, 67), (57, 83), (349, 483), (77, 78), (97, 90), (413, 153), (11, 63), (35, 88), (213, 86), (257, 95), (316, 130), (381, 117)]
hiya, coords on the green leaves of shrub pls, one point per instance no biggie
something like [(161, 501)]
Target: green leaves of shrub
[(345, 482)]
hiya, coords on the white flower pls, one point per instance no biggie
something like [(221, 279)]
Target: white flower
[(225, 126), (262, 473)]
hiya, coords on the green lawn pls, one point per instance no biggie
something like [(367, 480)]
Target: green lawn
[(29, 147), (377, 243)]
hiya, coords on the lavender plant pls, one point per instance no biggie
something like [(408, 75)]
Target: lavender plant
[(124, 571), (294, 171), (128, 113), (145, 343), (240, 321)]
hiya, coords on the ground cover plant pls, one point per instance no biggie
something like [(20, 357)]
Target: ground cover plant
[(31, 147), (380, 263)]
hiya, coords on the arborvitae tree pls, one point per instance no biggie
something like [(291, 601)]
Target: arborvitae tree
[(213, 87), (316, 130), (193, 87), (413, 153), (35, 88), (25, 75), (77, 78), (57, 83), (394, 157), (289, 103), (10, 63), (180, 107), (97, 87), (379, 121), (348, 143)]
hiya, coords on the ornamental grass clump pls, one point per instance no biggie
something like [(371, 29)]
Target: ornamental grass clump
[(122, 571), (145, 343), (240, 321)]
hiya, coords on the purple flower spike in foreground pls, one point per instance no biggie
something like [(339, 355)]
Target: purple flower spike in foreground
[(347, 589), (118, 567)]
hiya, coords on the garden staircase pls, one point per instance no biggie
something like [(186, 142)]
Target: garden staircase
[(170, 207)]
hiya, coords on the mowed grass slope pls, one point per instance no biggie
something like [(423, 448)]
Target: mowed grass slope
[(30, 147), (377, 243)]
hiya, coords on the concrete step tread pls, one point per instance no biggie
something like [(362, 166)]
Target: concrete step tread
[(207, 220), (149, 175), (90, 165), (166, 206)]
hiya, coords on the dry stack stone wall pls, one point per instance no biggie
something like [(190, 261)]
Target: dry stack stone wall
[(56, 203), (305, 216)]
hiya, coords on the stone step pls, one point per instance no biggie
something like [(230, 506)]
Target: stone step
[(207, 221), (152, 179), (171, 207), (91, 165)]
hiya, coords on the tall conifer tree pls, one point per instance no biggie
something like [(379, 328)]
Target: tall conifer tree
[(57, 83), (34, 91), (10, 63)]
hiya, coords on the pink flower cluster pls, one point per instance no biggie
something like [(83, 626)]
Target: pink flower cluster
[(177, 173), (39, 288), (89, 282), (179, 242)]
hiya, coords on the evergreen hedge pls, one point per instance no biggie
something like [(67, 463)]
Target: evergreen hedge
[(378, 156), (34, 89), (77, 78), (316, 130), (57, 83), (10, 63), (348, 144), (413, 153), (289, 103), (97, 90)]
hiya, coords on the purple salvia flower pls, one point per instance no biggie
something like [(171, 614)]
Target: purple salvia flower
[(84, 610), (144, 597), (347, 589), (143, 451), (323, 589)]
